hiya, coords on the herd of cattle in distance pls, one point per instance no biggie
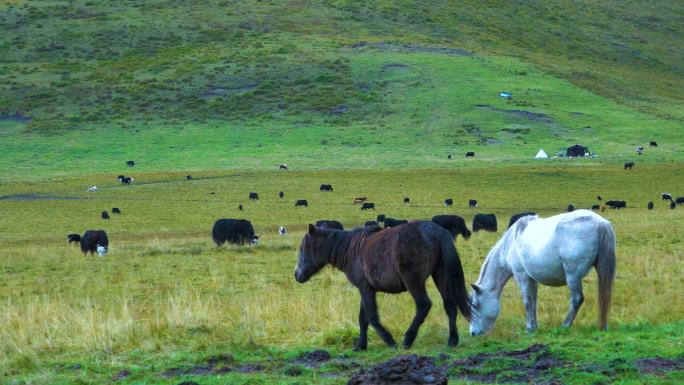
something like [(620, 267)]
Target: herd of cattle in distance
[(241, 231)]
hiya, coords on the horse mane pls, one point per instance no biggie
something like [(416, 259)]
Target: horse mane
[(502, 245), (338, 243)]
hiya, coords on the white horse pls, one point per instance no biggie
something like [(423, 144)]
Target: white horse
[(554, 251)]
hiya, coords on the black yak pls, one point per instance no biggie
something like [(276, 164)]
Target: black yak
[(238, 231), (453, 224), (368, 206), (95, 240), (73, 238), (330, 224), (391, 222), (517, 216), (484, 222)]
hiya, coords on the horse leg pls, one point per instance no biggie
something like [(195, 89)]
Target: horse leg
[(528, 289), (576, 298), (449, 306), (423, 305), (362, 344), (370, 309)]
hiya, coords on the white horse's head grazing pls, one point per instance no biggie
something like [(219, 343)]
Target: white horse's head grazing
[(493, 276), (485, 306)]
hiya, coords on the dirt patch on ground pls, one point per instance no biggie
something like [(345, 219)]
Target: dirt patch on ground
[(36, 197), (221, 363), (659, 365), (225, 91), (413, 48), (16, 118), (493, 142), (403, 370), (313, 359), (394, 66), (121, 375), (533, 116), (529, 365)]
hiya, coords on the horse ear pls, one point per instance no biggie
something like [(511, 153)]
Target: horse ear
[(312, 229), (476, 288)]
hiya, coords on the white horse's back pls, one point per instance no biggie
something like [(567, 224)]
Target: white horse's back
[(548, 246)]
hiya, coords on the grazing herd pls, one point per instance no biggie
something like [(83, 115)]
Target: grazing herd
[(401, 255), (241, 231)]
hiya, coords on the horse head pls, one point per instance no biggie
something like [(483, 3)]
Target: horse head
[(311, 259), (485, 309)]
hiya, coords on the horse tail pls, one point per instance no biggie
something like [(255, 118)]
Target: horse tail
[(455, 279), (605, 268)]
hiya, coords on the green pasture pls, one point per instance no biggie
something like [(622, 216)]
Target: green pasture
[(165, 297)]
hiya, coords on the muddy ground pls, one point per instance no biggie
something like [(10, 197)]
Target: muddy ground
[(535, 364)]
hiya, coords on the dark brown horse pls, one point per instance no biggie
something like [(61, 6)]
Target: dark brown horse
[(392, 260)]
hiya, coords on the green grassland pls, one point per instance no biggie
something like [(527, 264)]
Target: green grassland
[(368, 96), (165, 297)]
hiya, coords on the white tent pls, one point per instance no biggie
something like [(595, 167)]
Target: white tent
[(541, 155)]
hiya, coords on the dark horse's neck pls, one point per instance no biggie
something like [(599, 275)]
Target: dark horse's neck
[(340, 246)]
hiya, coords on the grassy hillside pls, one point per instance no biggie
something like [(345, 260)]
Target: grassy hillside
[(432, 104), (310, 78)]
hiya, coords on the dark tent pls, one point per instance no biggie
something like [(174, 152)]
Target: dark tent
[(576, 150)]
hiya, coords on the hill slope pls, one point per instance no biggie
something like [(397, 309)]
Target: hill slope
[(307, 78)]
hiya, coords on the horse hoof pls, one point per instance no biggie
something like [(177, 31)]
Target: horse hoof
[(359, 348), (392, 346)]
